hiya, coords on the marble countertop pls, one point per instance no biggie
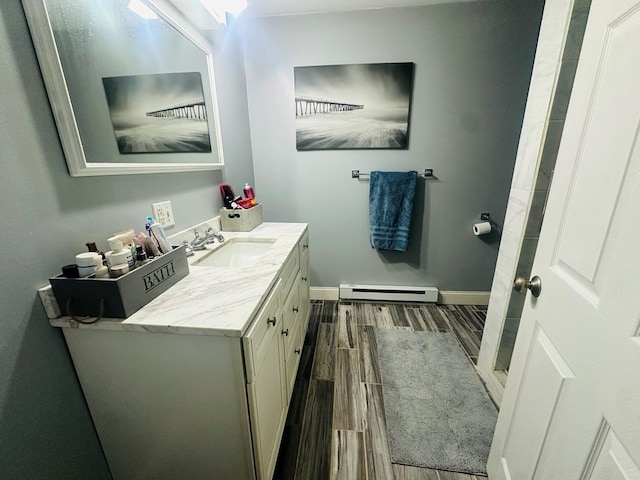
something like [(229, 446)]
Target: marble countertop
[(211, 300)]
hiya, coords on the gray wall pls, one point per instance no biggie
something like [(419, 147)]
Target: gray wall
[(472, 68), (47, 216)]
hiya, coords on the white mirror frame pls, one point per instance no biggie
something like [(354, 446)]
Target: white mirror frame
[(54, 79)]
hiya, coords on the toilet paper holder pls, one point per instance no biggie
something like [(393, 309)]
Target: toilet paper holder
[(486, 217), (485, 226)]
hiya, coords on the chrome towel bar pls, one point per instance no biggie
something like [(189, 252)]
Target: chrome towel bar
[(428, 173)]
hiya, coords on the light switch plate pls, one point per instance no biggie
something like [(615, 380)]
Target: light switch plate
[(163, 213)]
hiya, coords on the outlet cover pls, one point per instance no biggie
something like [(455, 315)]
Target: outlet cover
[(163, 213)]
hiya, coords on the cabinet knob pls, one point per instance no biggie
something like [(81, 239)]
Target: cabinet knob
[(297, 350), (305, 246), (271, 321), (304, 279), (295, 309), (285, 332)]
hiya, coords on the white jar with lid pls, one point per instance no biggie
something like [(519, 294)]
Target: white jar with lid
[(86, 259), (118, 254), (87, 263)]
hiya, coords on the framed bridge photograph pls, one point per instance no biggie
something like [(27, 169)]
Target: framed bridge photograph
[(356, 106)]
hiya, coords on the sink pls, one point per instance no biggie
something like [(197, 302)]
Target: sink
[(236, 253)]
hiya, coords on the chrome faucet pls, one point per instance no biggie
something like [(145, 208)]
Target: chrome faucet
[(202, 239)]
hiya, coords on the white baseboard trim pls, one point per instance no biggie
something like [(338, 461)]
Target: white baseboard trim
[(324, 293), (450, 297)]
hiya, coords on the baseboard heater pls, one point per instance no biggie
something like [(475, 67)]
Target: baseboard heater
[(388, 293)]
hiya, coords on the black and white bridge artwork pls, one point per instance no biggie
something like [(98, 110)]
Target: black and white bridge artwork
[(355, 106), (159, 113)]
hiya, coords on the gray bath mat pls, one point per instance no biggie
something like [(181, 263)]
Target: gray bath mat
[(437, 410)]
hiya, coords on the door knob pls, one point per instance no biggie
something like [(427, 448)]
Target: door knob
[(520, 284)]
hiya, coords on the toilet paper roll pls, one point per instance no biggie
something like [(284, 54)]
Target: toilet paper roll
[(481, 228)]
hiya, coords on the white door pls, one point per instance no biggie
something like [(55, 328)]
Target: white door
[(571, 407)]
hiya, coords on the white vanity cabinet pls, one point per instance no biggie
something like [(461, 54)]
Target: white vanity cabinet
[(201, 403)]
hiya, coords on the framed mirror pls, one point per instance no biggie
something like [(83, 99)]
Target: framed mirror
[(131, 86)]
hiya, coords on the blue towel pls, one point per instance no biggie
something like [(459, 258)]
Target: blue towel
[(390, 205)]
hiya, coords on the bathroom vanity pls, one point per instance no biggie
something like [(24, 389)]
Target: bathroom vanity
[(197, 383)]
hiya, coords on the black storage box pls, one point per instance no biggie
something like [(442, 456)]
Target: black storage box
[(123, 296)]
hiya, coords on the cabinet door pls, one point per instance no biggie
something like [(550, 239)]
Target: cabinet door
[(268, 407), (255, 341)]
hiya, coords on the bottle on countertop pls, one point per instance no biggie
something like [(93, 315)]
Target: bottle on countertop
[(102, 272), (149, 245), (141, 256), (228, 195), (119, 254), (157, 233), (248, 191), (91, 246), (126, 237)]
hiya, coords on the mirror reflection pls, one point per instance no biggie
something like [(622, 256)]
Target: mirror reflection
[(140, 85)]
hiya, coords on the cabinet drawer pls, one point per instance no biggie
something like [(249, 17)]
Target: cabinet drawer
[(304, 262), (291, 308), (265, 325), (304, 269), (303, 247), (289, 273)]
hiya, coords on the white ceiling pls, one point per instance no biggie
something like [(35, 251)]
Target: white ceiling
[(265, 8)]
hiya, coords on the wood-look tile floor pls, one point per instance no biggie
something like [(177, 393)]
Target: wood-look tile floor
[(336, 426)]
